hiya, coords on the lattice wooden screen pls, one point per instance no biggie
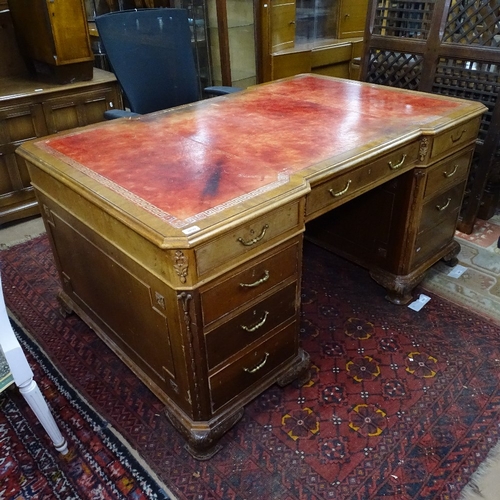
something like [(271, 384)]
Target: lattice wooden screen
[(449, 47), (395, 69), (473, 80), (473, 22), (403, 19)]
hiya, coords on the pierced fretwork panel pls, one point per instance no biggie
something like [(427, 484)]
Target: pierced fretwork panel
[(403, 19), (395, 69), (473, 22), (474, 80)]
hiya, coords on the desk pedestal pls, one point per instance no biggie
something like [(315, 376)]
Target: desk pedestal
[(400, 229)]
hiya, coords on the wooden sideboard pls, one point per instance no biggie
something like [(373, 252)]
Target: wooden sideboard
[(30, 109), (178, 235)]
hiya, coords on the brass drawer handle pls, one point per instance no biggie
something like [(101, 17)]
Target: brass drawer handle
[(444, 206), (258, 282), (459, 136), (400, 164), (256, 239), (251, 329), (451, 174), (342, 191), (259, 366)]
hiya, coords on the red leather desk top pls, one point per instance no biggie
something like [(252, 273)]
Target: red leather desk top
[(184, 164)]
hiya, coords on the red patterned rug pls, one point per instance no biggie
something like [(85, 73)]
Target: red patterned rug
[(97, 465), (402, 404)]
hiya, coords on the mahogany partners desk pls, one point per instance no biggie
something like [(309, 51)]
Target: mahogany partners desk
[(178, 235)]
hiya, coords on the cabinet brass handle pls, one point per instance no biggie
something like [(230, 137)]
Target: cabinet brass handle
[(445, 205), (257, 325), (451, 174), (342, 191), (400, 164), (258, 282), (259, 366), (256, 239), (459, 136)]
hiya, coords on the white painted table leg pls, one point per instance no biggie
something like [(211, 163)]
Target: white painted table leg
[(23, 378), (35, 399)]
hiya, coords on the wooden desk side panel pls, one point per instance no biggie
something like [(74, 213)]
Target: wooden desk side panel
[(134, 311), (160, 263)]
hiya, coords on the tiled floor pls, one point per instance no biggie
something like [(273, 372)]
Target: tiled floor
[(19, 231)]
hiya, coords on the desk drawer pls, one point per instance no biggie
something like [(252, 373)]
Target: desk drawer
[(438, 223), (456, 137), (251, 325), (441, 206), (252, 367), (248, 283), (430, 242), (447, 173), (341, 188), (247, 238)]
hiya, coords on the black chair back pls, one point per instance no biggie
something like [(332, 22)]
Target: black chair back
[(150, 51)]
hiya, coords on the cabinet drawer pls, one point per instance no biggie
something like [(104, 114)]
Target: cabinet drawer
[(253, 280), (253, 366), (342, 188), (78, 110), (448, 172), (247, 238), (456, 137), (251, 325)]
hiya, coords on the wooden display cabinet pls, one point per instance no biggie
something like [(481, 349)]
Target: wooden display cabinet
[(300, 36), (54, 39)]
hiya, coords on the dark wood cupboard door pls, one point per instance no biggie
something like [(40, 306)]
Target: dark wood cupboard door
[(17, 124), (29, 110)]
